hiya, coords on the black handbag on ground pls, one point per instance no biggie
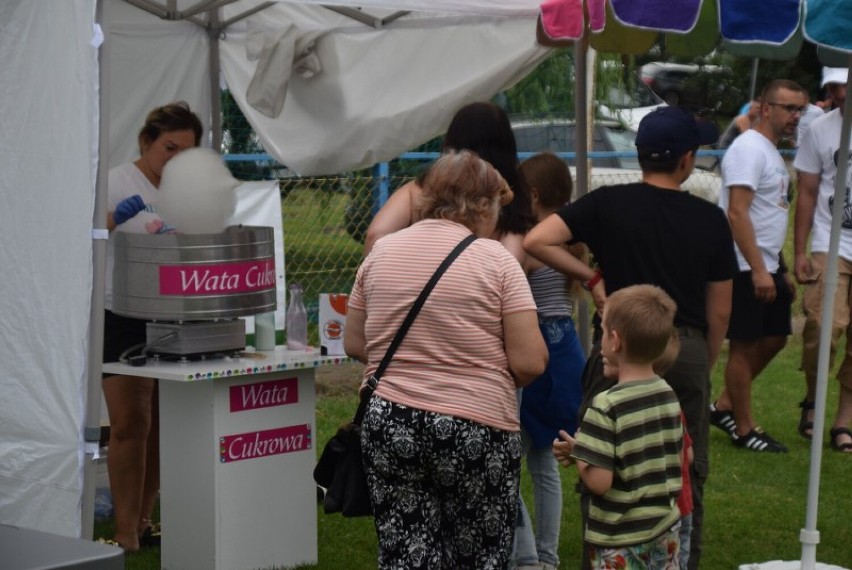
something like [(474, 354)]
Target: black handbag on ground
[(340, 470)]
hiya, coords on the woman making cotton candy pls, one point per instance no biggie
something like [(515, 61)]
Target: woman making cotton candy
[(134, 456)]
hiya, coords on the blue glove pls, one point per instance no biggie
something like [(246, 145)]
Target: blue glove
[(128, 208)]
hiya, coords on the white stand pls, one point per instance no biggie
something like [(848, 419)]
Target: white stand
[(237, 458)]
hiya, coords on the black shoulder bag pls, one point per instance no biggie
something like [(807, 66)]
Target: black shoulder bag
[(340, 469)]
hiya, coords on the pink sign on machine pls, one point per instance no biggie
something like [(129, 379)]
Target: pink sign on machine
[(217, 278)]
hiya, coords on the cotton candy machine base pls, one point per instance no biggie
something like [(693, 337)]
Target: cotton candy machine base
[(198, 338), (194, 287)]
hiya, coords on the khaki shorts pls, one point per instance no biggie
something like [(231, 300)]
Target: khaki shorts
[(812, 305)]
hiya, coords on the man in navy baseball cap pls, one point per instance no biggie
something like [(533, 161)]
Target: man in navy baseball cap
[(667, 133), (654, 232)]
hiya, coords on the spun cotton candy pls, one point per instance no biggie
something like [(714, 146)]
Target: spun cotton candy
[(196, 192)]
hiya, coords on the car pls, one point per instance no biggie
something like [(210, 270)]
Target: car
[(696, 86), (628, 105), (607, 135)]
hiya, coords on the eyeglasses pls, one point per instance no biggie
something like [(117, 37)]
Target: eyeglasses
[(790, 108)]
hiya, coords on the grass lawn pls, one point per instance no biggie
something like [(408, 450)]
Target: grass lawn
[(755, 502)]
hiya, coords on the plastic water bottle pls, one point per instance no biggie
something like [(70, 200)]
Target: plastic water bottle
[(297, 320)]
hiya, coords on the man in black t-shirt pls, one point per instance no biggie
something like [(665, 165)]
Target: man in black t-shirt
[(653, 232)]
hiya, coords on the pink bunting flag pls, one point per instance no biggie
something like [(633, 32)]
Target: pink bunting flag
[(564, 19)]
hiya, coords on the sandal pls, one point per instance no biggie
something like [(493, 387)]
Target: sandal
[(845, 447), (111, 542), (806, 426), (151, 537)]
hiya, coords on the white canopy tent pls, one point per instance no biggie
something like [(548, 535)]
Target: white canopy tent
[(50, 166), (325, 92), (48, 151), (382, 89)]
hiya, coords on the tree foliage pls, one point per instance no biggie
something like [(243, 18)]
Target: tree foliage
[(546, 91)]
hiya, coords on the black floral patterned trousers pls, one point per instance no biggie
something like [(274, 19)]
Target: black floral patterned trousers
[(444, 489)]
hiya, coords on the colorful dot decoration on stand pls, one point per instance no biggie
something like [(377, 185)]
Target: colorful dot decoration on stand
[(212, 375)]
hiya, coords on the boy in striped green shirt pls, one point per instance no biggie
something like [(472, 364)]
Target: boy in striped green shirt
[(628, 446)]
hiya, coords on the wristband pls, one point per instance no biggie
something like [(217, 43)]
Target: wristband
[(594, 280)]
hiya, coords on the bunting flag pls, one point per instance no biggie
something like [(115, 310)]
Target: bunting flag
[(702, 38), (768, 29), (766, 21), (565, 20), (618, 38), (828, 23), (562, 19), (746, 31), (662, 15)]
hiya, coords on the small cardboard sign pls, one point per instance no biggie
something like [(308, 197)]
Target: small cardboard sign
[(332, 318)]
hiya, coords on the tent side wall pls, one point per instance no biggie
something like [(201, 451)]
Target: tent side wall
[(152, 62), (48, 109)]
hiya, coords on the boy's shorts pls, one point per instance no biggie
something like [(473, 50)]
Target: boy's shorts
[(662, 552), (751, 318)]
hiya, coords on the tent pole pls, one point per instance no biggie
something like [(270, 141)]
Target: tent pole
[(100, 234), (809, 536), (581, 145), (215, 99), (753, 88)]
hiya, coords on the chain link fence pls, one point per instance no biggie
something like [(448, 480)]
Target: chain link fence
[(325, 218)]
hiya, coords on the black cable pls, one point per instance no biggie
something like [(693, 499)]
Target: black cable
[(142, 358)]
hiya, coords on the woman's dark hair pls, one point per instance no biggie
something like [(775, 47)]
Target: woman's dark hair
[(175, 116), (548, 175), (484, 128)]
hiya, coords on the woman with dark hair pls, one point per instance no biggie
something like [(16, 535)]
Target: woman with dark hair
[(441, 439), (133, 461), (483, 128)]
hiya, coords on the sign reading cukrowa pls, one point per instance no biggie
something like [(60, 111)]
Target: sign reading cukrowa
[(264, 443)]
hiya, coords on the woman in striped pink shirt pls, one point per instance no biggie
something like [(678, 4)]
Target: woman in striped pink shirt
[(441, 435)]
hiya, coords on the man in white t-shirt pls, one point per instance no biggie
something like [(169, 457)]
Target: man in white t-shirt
[(816, 164), (756, 199), (812, 112)]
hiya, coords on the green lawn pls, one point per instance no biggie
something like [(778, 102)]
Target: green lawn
[(755, 502)]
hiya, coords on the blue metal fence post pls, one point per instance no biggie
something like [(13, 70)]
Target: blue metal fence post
[(381, 185)]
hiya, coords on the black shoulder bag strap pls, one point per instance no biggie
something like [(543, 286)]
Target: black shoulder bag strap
[(373, 380)]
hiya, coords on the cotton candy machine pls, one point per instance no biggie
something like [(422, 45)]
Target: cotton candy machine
[(194, 286)]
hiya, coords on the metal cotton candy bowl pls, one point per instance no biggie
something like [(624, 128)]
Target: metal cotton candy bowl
[(198, 284)]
